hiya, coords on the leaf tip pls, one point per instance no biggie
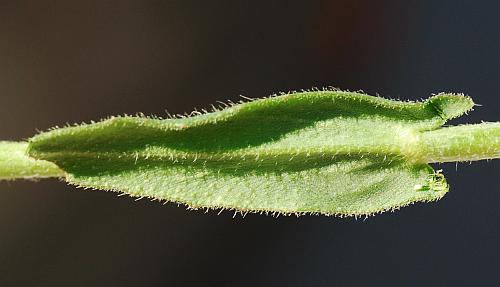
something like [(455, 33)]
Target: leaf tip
[(450, 105)]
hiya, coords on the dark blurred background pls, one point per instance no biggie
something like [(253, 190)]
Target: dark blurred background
[(74, 61)]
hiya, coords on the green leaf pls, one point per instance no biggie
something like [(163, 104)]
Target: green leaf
[(328, 152)]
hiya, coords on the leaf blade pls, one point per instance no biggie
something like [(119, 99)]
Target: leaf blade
[(353, 187), (341, 153)]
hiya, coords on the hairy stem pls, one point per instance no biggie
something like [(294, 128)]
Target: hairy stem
[(14, 163), (458, 143), (461, 143)]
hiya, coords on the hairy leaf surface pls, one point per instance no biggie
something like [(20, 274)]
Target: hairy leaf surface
[(328, 152)]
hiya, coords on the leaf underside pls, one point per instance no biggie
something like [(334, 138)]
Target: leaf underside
[(328, 152)]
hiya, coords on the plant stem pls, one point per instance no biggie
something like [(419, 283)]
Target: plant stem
[(461, 143), (14, 163), (458, 143)]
